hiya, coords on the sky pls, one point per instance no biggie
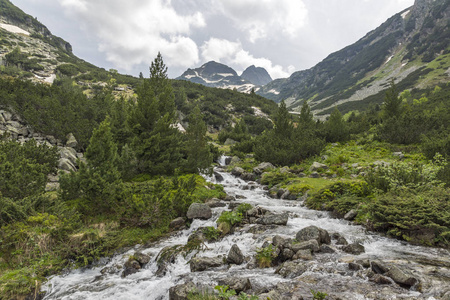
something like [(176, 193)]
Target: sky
[(282, 36)]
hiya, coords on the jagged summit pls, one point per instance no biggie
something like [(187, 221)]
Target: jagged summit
[(256, 75), (214, 74)]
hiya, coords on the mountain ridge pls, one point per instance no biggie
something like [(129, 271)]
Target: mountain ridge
[(400, 49), (214, 74)]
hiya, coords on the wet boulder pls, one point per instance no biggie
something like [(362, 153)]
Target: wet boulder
[(166, 256), (350, 215), (177, 223), (379, 267), (199, 211), (313, 233), (141, 258), (235, 255), (214, 202), (198, 264), (286, 254), (292, 269), (341, 241), (248, 176), (181, 291), (273, 219), (327, 249), (305, 254), (354, 248), (380, 279), (401, 277), (312, 245), (198, 235), (237, 171), (237, 284), (229, 198), (130, 267), (218, 177), (128, 271)]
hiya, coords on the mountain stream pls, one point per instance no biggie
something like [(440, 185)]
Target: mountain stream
[(331, 273)]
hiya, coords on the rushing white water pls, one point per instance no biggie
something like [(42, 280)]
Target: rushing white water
[(91, 284)]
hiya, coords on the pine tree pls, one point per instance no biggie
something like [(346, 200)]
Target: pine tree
[(283, 122), (156, 142), (306, 117), (199, 157), (392, 102), (161, 87), (336, 130), (97, 181)]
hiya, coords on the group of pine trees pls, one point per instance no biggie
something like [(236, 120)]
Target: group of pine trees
[(139, 137)]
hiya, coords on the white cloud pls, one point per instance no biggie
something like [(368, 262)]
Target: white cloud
[(132, 32), (218, 49), (261, 18), (233, 55)]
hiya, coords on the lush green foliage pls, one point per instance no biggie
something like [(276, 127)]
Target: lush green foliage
[(23, 176), (286, 144), (265, 256), (317, 295)]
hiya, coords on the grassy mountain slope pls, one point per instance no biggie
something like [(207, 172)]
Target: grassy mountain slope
[(411, 47)]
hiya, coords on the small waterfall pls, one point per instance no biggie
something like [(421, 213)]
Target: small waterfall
[(326, 270)]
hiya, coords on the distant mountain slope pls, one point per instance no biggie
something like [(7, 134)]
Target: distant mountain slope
[(411, 47), (256, 75), (214, 74), (28, 51)]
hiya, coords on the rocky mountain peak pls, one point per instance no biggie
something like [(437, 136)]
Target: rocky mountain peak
[(256, 75)]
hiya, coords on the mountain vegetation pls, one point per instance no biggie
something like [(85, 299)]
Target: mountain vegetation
[(146, 142), (411, 48)]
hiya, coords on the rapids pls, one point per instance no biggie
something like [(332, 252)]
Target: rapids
[(327, 272)]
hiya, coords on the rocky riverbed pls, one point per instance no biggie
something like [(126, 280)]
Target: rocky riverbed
[(309, 251)]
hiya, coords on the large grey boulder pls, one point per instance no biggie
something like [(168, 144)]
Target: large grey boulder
[(262, 167), (141, 258), (354, 248), (177, 223), (7, 116), (181, 291), (248, 176), (71, 141), (401, 277), (273, 219), (312, 245), (313, 233), (199, 211), (237, 284), (218, 177), (316, 165), (237, 171), (69, 153), (198, 264), (292, 269), (66, 165), (350, 215), (235, 255), (214, 202)]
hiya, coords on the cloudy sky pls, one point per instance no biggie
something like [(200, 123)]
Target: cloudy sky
[(282, 36)]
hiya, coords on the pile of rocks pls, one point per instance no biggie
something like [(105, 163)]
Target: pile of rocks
[(13, 127)]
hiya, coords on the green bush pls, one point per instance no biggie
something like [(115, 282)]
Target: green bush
[(230, 217), (265, 256), (68, 69)]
